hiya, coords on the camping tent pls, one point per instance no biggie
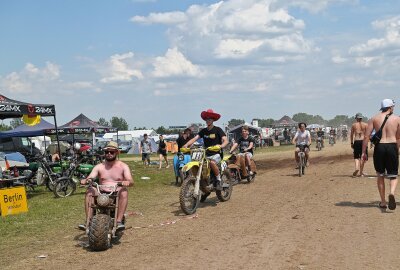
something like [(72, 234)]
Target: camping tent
[(10, 108), (28, 131), (285, 121), (236, 132), (82, 125)]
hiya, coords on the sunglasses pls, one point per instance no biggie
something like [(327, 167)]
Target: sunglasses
[(110, 152)]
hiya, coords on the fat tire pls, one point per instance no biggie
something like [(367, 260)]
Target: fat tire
[(185, 195), (64, 187), (225, 194), (99, 232)]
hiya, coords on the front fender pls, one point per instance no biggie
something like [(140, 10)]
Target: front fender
[(190, 165)]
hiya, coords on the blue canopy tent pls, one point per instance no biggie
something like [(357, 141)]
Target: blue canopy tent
[(28, 131)]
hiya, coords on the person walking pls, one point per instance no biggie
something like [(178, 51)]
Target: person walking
[(357, 135), (145, 150), (162, 151), (386, 151)]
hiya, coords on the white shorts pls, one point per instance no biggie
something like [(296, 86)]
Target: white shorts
[(216, 158), (246, 154)]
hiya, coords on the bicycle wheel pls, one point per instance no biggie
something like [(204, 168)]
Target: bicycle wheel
[(300, 164), (64, 187)]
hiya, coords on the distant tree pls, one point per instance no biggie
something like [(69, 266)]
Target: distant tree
[(317, 119), (162, 130), (103, 122), (340, 120), (119, 122), (265, 122), (4, 127), (15, 122), (303, 117), (235, 122)]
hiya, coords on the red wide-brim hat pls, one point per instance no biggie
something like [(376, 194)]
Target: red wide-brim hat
[(210, 114)]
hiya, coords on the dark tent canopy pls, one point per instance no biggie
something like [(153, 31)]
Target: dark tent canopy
[(28, 131), (236, 132), (81, 125), (285, 121), (10, 108)]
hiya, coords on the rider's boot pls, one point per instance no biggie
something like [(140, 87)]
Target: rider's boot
[(219, 183)]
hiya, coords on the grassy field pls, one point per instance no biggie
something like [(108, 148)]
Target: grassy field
[(47, 215)]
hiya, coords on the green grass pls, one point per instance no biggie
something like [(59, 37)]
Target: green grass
[(48, 215)]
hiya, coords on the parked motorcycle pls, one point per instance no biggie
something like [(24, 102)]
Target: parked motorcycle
[(101, 227), (201, 181), (180, 160), (235, 163), (65, 185)]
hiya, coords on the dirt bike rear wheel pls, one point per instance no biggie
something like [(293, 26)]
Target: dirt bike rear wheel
[(64, 187), (225, 194), (187, 199), (99, 232)]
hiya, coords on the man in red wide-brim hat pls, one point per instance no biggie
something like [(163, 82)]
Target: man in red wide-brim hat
[(212, 136)]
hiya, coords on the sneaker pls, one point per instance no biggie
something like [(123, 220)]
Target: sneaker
[(251, 173), (219, 185), (82, 227), (120, 226), (167, 167), (204, 196)]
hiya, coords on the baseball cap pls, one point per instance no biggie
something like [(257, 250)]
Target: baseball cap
[(387, 103), (359, 115)]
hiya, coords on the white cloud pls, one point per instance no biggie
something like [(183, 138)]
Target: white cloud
[(30, 78), (79, 85), (234, 29), (337, 59), (174, 63), (164, 18), (313, 6), (120, 71), (378, 46)]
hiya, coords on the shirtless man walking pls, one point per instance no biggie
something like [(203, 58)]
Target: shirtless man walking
[(386, 157), (358, 130)]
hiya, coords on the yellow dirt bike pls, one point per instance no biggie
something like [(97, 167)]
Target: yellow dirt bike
[(201, 181)]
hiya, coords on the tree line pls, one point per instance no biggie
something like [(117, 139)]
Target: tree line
[(303, 117)]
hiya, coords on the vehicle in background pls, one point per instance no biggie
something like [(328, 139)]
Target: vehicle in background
[(125, 146), (18, 144)]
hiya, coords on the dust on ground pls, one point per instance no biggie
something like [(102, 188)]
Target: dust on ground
[(326, 219)]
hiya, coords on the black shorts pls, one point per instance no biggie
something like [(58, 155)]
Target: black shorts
[(146, 156), (357, 147), (162, 152), (386, 158)]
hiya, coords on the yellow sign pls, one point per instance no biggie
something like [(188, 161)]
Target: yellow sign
[(13, 201)]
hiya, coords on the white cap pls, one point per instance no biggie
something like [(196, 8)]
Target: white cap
[(387, 103)]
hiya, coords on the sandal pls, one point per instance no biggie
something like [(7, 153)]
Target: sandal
[(392, 202), (382, 206)]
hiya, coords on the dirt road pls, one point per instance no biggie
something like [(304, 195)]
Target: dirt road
[(324, 220)]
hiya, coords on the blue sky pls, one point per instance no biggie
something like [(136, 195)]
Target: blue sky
[(162, 62)]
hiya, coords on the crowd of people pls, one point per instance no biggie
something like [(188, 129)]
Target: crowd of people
[(385, 124)]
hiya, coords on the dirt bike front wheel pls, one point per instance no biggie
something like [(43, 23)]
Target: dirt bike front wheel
[(99, 232), (187, 199)]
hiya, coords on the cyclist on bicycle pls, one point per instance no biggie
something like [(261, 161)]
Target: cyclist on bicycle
[(302, 140), (321, 134)]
